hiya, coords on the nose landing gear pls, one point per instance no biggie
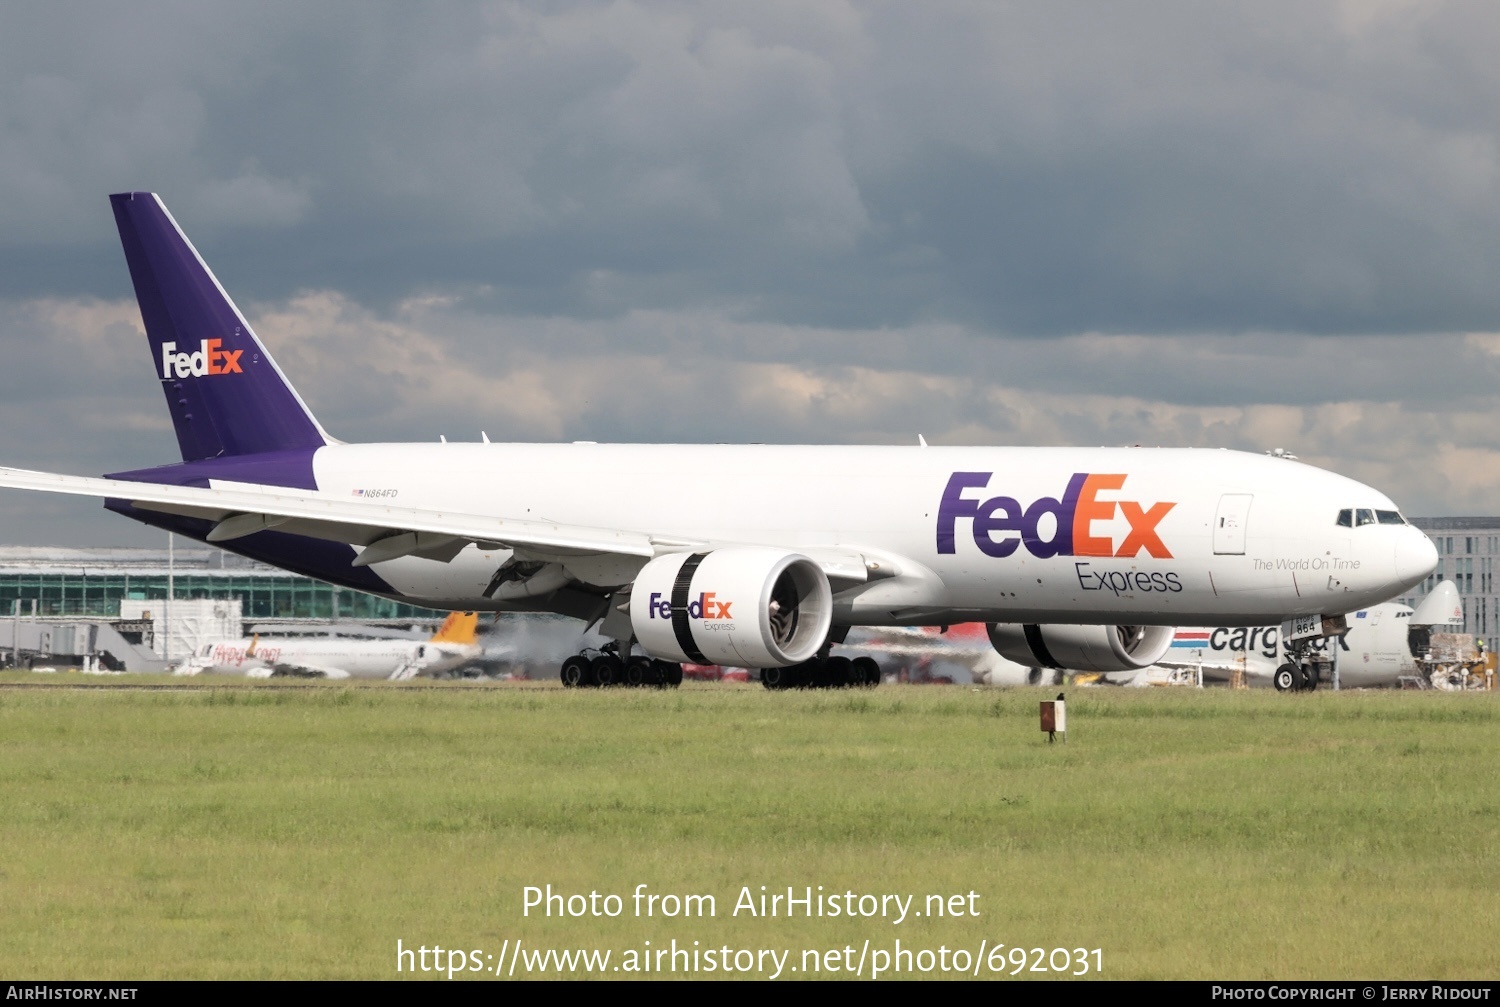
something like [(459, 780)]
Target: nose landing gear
[(1310, 645), (1308, 658), (1291, 677)]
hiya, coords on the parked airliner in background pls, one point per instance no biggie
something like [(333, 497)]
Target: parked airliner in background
[(755, 555), (1381, 647), (339, 657)]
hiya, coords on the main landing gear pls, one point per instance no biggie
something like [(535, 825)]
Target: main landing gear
[(605, 667), (824, 673)]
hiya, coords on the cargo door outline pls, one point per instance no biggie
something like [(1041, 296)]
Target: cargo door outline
[(1231, 522)]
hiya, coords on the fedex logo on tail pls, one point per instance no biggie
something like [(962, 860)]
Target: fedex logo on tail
[(1001, 524), (705, 606), (209, 359)]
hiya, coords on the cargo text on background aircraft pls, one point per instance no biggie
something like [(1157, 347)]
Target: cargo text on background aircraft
[(1263, 639), (208, 360), (999, 520)]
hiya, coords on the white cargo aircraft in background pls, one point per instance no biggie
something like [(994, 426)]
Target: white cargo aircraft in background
[(755, 555), (1382, 646), (339, 657)]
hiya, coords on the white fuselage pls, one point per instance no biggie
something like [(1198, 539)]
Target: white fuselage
[(1157, 536)]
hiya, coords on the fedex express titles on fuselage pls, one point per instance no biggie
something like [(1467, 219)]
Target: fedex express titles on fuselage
[(790, 540), (1050, 527)]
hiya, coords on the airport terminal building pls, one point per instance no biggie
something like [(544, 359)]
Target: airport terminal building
[(1468, 554), (52, 581)]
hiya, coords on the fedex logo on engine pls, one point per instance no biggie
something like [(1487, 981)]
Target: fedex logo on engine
[(208, 360), (1001, 524), (705, 606)]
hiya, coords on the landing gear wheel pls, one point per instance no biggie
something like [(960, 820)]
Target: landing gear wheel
[(1310, 680), (776, 678), (671, 676), (866, 672), (659, 673), (575, 672), (608, 670), (804, 675), (817, 673), (1301, 675), (839, 672), (639, 672), (1286, 677)]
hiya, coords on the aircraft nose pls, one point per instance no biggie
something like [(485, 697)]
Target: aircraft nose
[(1416, 557)]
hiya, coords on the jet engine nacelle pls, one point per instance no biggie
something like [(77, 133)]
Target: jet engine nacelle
[(743, 606), (1082, 648)]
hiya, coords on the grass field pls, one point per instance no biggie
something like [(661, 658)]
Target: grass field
[(263, 830)]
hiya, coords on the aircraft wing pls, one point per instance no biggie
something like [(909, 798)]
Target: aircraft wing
[(386, 532)]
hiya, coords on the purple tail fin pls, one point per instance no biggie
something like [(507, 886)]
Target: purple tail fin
[(225, 393)]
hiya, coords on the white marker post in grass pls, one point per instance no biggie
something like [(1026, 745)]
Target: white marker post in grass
[(1055, 718)]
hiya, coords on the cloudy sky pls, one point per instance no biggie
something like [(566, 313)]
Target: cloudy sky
[(1174, 223)]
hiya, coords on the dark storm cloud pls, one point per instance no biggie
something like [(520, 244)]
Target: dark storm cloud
[(1038, 169)]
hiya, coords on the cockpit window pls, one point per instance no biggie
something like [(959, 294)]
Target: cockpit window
[(1356, 517)]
